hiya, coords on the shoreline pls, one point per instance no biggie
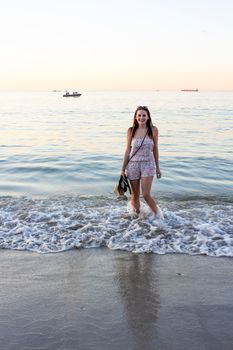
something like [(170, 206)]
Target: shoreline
[(103, 299)]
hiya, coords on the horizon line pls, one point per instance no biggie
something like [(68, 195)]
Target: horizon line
[(119, 90)]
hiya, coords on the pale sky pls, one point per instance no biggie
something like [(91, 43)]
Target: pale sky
[(116, 44)]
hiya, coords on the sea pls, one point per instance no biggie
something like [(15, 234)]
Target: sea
[(60, 159)]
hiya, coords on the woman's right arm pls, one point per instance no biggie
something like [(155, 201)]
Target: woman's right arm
[(127, 151)]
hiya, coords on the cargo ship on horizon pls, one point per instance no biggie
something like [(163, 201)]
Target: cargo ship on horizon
[(190, 90)]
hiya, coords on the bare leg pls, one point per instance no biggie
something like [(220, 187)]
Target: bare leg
[(146, 188), (135, 187)]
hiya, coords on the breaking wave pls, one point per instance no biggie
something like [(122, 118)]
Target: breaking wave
[(50, 225)]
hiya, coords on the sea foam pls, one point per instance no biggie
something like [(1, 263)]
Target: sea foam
[(61, 223)]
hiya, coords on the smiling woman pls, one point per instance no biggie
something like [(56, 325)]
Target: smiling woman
[(141, 157)]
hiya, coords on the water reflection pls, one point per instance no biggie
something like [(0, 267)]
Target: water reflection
[(138, 288)]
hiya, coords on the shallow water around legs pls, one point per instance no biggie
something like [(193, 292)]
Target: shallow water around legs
[(58, 224)]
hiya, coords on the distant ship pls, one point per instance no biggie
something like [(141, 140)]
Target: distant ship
[(74, 94), (190, 90)]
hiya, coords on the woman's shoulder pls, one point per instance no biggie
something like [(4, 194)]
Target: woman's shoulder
[(155, 129), (129, 131), (129, 134), (155, 132)]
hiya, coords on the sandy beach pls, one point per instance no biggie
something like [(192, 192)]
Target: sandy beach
[(102, 299)]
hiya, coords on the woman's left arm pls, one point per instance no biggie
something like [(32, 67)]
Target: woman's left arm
[(156, 152)]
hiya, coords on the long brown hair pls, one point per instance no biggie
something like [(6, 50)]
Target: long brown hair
[(148, 123)]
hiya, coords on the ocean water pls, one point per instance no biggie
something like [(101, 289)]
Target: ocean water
[(60, 159)]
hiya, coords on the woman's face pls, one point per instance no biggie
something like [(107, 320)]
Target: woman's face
[(142, 117)]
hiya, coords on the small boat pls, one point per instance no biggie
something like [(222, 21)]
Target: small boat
[(190, 90), (74, 94)]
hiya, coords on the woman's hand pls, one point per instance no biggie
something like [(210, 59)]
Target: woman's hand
[(158, 173), (123, 173)]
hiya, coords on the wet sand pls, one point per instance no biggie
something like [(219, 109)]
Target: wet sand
[(107, 300)]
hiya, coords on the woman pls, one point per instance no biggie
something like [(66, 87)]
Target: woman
[(141, 168)]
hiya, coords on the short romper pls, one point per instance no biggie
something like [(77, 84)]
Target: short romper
[(143, 163), (136, 170)]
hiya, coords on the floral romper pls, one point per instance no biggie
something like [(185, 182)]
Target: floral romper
[(143, 163)]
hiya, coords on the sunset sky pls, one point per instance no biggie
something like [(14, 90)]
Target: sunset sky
[(116, 45)]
